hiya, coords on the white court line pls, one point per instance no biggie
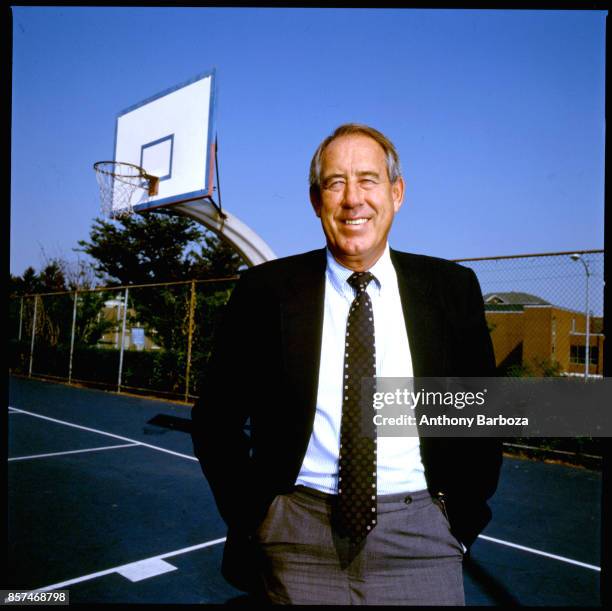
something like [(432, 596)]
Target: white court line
[(86, 428), (127, 567), (93, 575), (541, 553), (124, 445)]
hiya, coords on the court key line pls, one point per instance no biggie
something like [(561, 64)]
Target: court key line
[(123, 445), (91, 430), (487, 538), (131, 568)]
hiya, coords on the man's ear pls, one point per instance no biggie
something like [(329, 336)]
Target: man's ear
[(315, 200), (397, 190)]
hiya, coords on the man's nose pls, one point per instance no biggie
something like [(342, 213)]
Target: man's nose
[(353, 195)]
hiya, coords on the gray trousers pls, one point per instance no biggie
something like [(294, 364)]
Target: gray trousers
[(409, 558)]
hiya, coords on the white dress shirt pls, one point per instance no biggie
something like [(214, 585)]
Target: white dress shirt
[(399, 466)]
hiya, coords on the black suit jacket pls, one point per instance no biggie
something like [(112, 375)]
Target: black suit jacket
[(264, 368)]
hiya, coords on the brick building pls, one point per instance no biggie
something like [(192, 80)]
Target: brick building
[(529, 332)]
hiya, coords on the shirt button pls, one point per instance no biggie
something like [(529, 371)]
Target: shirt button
[(408, 500)]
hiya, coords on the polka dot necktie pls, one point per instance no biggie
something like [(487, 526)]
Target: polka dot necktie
[(356, 508)]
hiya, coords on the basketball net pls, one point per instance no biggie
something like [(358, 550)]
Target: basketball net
[(118, 181)]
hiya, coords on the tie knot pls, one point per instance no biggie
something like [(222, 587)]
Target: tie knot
[(360, 280)]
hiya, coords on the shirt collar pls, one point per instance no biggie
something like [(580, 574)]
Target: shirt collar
[(383, 271)]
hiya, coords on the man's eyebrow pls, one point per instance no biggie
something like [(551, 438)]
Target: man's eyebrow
[(359, 174), (335, 175), (368, 173)]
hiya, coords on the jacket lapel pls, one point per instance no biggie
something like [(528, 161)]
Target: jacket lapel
[(302, 326), (302, 306), (428, 339), (423, 315)]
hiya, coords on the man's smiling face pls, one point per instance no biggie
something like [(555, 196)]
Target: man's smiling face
[(356, 202)]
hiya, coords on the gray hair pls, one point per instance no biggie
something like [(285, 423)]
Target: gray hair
[(351, 129)]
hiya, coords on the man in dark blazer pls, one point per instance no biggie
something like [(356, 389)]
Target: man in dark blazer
[(271, 482)]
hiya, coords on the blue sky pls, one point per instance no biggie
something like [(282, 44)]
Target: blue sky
[(498, 117)]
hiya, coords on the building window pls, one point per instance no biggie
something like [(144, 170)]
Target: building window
[(577, 354)]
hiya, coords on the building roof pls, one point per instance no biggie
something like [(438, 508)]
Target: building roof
[(513, 298), (500, 307)]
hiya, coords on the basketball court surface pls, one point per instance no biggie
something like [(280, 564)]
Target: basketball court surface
[(107, 501)]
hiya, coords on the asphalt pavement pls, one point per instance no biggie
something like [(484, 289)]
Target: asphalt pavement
[(106, 500)]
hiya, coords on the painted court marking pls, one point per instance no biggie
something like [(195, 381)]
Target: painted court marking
[(132, 567), (86, 428), (151, 567), (123, 445), (541, 553), (137, 571)]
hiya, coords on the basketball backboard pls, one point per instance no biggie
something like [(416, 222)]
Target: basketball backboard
[(165, 157), (170, 135)]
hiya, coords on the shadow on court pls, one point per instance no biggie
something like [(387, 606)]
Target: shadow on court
[(106, 498)]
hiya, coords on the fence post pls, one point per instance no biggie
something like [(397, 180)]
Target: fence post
[(74, 313), (190, 339), (125, 304), (33, 335), (20, 319)]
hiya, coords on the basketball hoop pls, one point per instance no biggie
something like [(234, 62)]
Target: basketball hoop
[(118, 181)]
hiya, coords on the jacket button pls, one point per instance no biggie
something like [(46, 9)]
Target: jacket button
[(408, 500)]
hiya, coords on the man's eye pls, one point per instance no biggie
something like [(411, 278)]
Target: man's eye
[(335, 185), (367, 183)]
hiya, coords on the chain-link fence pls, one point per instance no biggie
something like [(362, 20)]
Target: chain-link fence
[(151, 339), (545, 314)]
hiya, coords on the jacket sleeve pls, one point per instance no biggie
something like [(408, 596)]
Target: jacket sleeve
[(220, 440), (481, 456)]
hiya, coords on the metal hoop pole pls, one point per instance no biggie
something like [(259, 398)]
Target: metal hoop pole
[(190, 339), (587, 339), (20, 319), (74, 313), (33, 336), (125, 303)]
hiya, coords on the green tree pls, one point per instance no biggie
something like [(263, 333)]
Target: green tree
[(538, 368), (49, 280), (218, 259), (50, 294), (142, 249), (54, 312), (158, 248), (150, 249)]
